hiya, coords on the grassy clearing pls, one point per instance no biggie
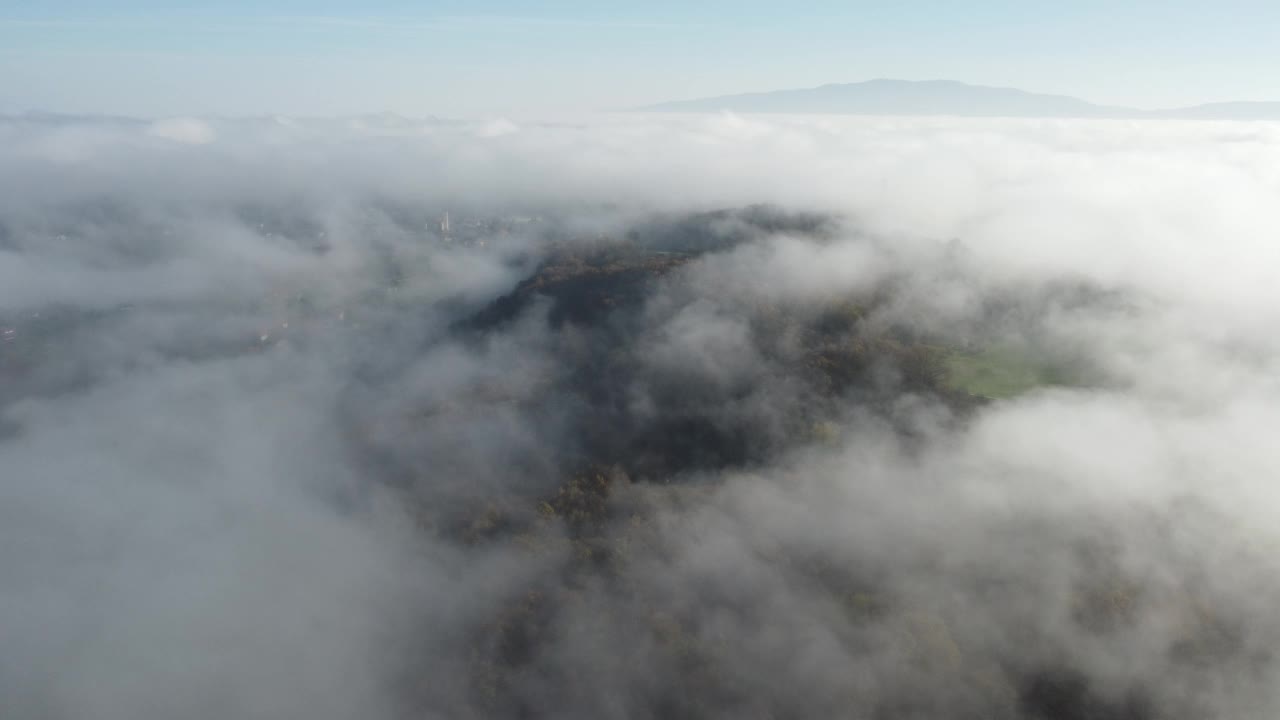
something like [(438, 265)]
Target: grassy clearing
[(999, 372)]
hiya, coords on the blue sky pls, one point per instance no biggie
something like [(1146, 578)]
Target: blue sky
[(516, 58)]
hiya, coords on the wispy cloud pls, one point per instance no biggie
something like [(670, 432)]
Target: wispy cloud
[(380, 23), (478, 21)]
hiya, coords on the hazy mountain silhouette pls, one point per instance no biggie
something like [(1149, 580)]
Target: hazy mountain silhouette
[(1225, 111), (947, 97)]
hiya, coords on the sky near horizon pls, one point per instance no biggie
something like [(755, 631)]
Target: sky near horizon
[(518, 58)]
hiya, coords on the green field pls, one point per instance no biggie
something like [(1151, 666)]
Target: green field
[(999, 372)]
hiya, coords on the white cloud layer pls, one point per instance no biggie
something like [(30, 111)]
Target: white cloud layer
[(185, 532)]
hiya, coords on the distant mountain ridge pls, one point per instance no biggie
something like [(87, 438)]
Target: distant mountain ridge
[(949, 97)]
